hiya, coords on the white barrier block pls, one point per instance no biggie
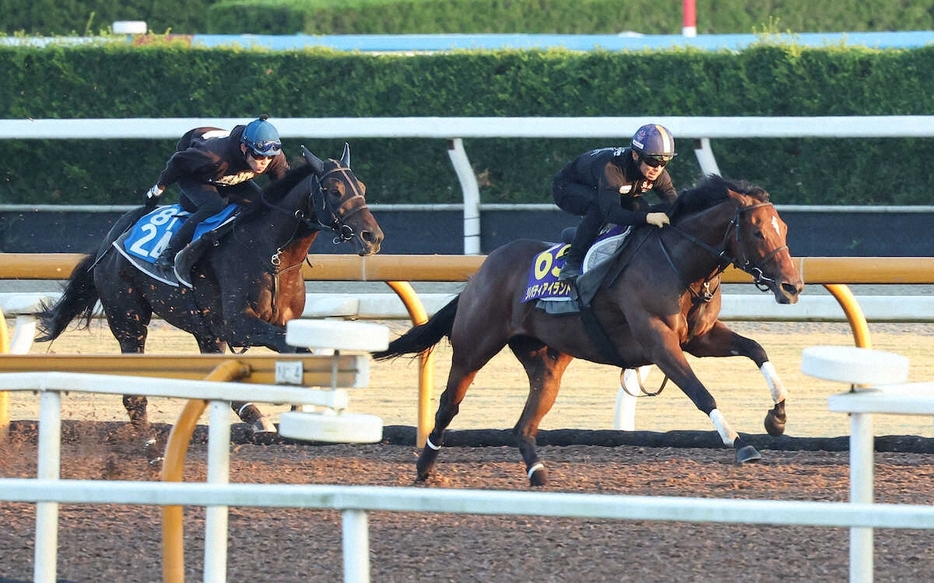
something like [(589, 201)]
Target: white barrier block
[(337, 335), (853, 365), (331, 427)]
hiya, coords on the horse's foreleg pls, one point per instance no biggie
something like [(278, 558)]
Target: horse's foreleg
[(448, 406), (544, 367), (264, 431), (672, 362), (721, 341)]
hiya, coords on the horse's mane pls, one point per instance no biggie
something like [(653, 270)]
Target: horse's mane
[(276, 190), (710, 191)]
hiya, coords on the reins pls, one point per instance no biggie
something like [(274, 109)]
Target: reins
[(724, 259), (317, 201)]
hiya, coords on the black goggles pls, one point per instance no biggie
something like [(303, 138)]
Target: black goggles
[(656, 161), (256, 156)]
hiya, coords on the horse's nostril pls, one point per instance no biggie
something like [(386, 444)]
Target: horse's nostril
[(790, 288)]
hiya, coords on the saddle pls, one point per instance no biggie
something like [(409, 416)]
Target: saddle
[(143, 241), (560, 297)]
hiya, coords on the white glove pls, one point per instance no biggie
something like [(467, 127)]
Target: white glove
[(154, 192), (657, 219)]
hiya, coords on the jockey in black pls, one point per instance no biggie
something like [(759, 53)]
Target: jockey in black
[(212, 166), (606, 186)]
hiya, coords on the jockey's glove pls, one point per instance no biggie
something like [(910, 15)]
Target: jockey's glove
[(657, 219), (154, 193)]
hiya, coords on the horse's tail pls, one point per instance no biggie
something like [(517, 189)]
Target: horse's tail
[(424, 336), (78, 301)]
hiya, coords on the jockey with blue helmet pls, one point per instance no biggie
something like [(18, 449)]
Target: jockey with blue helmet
[(213, 167), (606, 186)]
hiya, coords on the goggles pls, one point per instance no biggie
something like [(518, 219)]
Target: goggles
[(264, 149), (256, 156), (656, 161)]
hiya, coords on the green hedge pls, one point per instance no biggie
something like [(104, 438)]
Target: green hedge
[(71, 17), (561, 16), (64, 17), (173, 80)]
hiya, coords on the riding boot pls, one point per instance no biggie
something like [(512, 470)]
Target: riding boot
[(586, 234), (166, 259), (179, 239)]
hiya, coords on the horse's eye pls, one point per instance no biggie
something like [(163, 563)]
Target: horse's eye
[(759, 234)]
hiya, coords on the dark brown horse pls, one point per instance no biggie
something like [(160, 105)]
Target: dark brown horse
[(661, 298), (244, 290)]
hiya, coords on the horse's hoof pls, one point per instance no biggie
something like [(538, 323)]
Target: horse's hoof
[(264, 431), (775, 420), (426, 462), (538, 475), (154, 454), (423, 470), (746, 454)]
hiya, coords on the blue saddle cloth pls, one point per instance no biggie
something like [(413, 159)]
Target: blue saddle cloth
[(151, 234)]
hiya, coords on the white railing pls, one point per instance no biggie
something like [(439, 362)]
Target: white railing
[(51, 385), (354, 502), (455, 129)]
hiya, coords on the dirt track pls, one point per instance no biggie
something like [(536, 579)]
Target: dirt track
[(123, 543)]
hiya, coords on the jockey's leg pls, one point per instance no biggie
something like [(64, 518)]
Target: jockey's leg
[(586, 234), (206, 202)]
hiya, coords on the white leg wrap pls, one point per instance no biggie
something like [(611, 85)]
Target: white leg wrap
[(431, 445), (535, 468), (723, 428), (775, 384)]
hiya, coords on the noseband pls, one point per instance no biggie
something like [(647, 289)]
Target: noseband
[(759, 279), (724, 259)]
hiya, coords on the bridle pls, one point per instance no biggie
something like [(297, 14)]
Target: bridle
[(324, 214), (724, 258), (335, 219)]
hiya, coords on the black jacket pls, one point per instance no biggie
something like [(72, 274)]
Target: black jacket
[(215, 160), (618, 184)]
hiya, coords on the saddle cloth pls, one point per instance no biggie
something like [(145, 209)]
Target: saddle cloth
[(543, 285), (144, 241)]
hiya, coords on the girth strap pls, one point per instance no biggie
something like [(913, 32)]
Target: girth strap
[(598, 334)]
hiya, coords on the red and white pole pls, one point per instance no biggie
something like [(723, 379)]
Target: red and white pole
[(689, 9)]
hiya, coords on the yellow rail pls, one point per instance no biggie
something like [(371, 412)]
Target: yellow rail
[(814, 270), (255, 369)]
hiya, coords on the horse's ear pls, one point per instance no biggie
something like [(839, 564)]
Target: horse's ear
[(316, 163), (345, 157)]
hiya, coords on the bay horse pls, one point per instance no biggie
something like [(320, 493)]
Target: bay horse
[(243, 291), (660, 299)]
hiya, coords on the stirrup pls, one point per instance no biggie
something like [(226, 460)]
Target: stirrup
[(165, 261)]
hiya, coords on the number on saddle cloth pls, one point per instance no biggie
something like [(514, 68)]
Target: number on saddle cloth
[(151, 234), (543, 281)]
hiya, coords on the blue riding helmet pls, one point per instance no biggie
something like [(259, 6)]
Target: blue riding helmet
[(654, 141), (262, 137)]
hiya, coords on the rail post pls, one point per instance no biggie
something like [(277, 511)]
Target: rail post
[(4, 395)]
